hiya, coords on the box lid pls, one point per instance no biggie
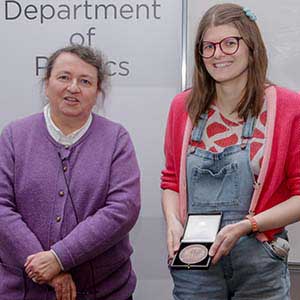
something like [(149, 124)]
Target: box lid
[(201, 228)]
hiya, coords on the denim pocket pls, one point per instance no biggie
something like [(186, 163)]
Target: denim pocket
[(277, 249), (269, 249), (223, 187)]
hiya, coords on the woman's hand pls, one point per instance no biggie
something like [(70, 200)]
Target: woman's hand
[(42, 266), (170, 204), (227, 238), (174, 234), (64, 286)]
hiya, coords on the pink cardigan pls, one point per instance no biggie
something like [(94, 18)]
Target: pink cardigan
[(279, 178)]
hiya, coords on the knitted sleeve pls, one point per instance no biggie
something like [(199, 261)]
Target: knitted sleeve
[(17, 240), (169, 178), (293, 157)]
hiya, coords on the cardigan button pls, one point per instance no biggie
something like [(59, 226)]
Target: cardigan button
[(58, 219), (65, 168), (61, 193)]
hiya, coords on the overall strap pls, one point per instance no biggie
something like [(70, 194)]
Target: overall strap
[(198, 130), (248, 128)]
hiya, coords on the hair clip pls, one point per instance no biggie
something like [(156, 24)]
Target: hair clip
[(249, 14)]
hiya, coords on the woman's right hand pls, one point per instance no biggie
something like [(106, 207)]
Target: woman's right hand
[(174, 234), (170, 204), (64, 286)]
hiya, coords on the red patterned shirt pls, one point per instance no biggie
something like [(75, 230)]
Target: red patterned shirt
[(221, 132)]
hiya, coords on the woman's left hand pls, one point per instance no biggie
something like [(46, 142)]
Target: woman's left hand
[(227, 238), (64, 286), (42, 266)]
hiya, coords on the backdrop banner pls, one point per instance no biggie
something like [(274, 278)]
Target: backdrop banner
[(141, 40)]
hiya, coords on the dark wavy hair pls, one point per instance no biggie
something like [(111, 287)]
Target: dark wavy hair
[(91, 56)]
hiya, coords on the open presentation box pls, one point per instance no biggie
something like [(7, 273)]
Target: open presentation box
[(199, 234)]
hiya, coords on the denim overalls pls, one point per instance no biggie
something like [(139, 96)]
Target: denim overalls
[(224, 182)]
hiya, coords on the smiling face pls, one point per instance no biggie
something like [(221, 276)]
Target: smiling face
[(72, 90), (224, 68)]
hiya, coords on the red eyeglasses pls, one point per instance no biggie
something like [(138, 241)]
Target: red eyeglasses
[(229, 45)]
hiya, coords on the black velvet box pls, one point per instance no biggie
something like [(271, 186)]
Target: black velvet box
[(199, 234)]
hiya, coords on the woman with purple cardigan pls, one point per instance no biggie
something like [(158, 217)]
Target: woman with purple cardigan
[(69, 192)]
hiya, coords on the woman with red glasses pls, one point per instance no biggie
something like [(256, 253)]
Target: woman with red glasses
[(232, 146)]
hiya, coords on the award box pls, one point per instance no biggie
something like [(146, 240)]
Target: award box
[(199, 234)]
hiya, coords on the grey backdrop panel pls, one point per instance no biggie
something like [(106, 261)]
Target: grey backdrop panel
[(280, 26), (142, 41)]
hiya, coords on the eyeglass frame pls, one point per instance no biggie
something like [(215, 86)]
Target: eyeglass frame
[(238, 38)]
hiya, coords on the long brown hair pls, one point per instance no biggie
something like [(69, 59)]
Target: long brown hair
[(203, 87)]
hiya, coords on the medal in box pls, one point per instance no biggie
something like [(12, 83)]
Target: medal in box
[(199, 234)]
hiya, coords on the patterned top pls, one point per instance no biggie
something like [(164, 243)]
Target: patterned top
[(221, 132)]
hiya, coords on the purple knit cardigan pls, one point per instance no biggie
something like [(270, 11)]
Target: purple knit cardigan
[(36, 212)]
